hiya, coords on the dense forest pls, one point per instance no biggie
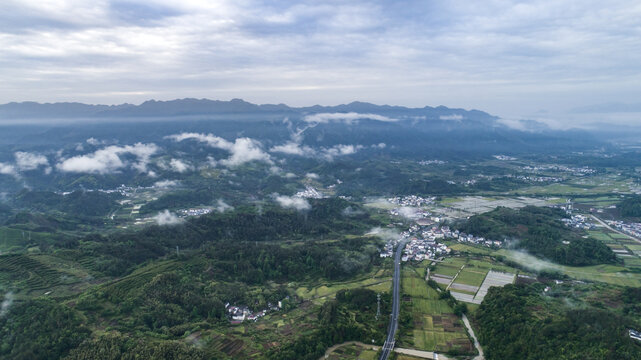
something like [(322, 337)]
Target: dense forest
[(630, 207), (77, 203), (242, 256), (519, 322), (540, 231), (118, 253)]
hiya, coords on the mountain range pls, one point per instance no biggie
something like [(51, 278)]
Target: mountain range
[(204, 107)]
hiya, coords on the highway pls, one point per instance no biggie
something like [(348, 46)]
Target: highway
[(388, 347)]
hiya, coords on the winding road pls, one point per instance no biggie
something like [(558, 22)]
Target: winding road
[(388, 347)]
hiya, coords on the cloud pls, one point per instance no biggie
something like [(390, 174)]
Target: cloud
[(293, 148), (340, 150), (94, 141), (242, 150), (385, 233), (348, 118), (8, 169), (166, 183), (180, 166), (6, 303), (167, 218), (246, 150), (455, 117), (518, 54), (108, 160), (292, 202), (29, 161), (222, 206), (313, 176)]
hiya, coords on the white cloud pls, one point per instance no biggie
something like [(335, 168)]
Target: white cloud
[(222, 206), (29, 161), (293, 148), (312, 176), (518, 54), (340, 150), (8, 169), (6, 303), (166, 183), (349, 117), (94, 141), (292, 202), (167, 218), (380, 145), (290, 175), (246, 150), (108, 160), (180, 166), (455, 117), (242, 150)]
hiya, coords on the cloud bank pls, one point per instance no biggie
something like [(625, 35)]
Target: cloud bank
[(110, 159), (242, 150), (350, 117)]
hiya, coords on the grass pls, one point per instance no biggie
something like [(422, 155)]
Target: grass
[(470, 249), (470, 277), (332, 288), (17, 240)]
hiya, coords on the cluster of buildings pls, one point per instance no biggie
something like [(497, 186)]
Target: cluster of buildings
[(412, 200), (633, 229), (579, 221), (561, 168), (423, 249), (195, 212), (504, 157), (309, 193), (477, 240), (544, 179), (430, 162), (238, 314)]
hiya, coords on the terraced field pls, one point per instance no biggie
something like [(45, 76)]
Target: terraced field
[(33, 275)]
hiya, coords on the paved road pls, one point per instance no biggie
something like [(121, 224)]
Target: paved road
[(393, 324), (615, 230)]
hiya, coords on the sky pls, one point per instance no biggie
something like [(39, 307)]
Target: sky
[(543, 60)]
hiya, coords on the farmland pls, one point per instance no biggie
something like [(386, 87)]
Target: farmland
[(432, 325)]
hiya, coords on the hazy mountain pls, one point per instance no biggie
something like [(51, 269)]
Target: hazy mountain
[(187, 107)]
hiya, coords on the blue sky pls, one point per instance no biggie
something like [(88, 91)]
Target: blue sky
[(516, 59)]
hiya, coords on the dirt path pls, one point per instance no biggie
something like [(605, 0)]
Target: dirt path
[(480, 356), (330, 350), (421, 354), (454, 278)]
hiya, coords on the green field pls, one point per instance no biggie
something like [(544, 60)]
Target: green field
[(471, 277), (433, 326), (611, 274)]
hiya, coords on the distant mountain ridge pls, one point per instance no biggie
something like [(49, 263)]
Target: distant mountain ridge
[(191, 106)]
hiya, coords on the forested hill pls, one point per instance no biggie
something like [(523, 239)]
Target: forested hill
[(540, 231), (116, 254), (518, 322)]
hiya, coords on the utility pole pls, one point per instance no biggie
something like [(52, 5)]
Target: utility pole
[(177, 251), (378, 309)]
